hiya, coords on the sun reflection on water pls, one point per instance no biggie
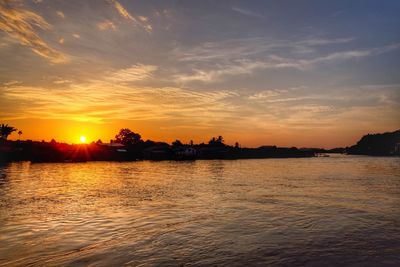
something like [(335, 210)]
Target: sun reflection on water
[(158, 213)]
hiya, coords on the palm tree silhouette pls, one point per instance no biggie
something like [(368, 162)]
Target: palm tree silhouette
[(6, 130), (19, 134)]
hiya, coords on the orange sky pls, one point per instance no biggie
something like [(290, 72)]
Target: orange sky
[(190, 71), (71, 131)]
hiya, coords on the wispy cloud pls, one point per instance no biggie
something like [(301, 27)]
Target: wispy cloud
[(62, 81), (215, 74), (303, 64), (264, 95), (322, 41), (140, 20), (12, 83), (210, 62), (245, 47), (269, 94), (20, 24), (227, 49), (136, 72), (106, 25), (60, 14), (247, 12), (100, 101), (122, 11)]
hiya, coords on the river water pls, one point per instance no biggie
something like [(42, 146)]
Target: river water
[(330, 211)]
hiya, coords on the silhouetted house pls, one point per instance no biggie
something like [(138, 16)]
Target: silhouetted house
[(157, 152), (114, 146), (185, 153), (267, 147), (212, 152), (396, 149)]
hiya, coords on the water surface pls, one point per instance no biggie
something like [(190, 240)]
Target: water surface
[(342, 210)]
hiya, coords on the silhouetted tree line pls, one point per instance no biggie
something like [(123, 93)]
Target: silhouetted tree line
[(385, 144), (129, 145)]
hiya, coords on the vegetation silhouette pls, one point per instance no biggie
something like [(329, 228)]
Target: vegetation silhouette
[(177, 143), (129, 146), (127, 137), (385, 144), (6, 130), (216, 141)]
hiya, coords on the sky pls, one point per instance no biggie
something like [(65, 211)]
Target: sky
[(287, 73)]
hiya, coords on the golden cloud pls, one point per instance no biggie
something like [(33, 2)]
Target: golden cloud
[(136, 72), (19, 24), (100, 101), (106, 25), (142, 21), (60, 14), (122, 11)]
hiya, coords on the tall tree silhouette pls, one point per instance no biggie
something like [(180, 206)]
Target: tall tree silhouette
[(6, 130), (127, 137), (177, 143), (216, 141)]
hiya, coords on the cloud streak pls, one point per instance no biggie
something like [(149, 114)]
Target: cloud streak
[(142, 21), (122, 11), (101, 101), (60, 14), (213, 75), (304, 64), (247, 12), (237, 57), (247, 47), (138, 72), (106, 25), (20, 24)]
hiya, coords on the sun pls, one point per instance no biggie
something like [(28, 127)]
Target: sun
[(82, 139)]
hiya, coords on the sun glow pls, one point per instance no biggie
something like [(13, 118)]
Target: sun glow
[(82, 139)]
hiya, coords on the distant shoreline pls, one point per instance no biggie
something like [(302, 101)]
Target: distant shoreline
[(60, 152), (129, 146)]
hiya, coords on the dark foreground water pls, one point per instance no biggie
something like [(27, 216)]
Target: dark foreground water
[(337, 211)]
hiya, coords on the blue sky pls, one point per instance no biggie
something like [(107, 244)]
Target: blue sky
[(305, 73)]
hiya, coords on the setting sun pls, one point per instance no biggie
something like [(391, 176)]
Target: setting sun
[(82, 139)]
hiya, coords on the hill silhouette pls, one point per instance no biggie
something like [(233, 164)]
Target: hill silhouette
[(385, 144)]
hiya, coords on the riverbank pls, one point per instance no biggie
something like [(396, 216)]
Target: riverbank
[(61, 152)]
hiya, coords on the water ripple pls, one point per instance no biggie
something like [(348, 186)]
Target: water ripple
[(275, 212)]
